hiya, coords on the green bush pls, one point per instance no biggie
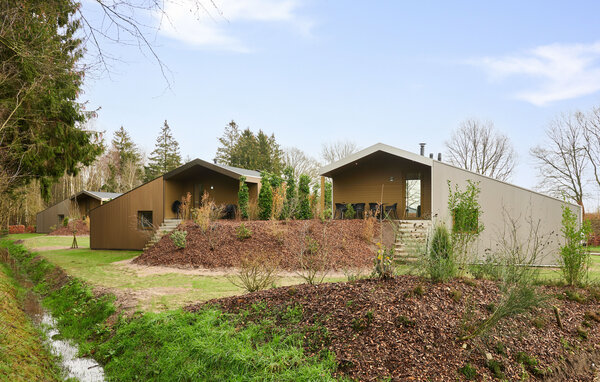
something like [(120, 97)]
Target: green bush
[(468, 371), (383, 266), (265, 200), (304, 211), (291, 197), (349, 213), (65, 222), (440, 262), (243, 198), (574, 256), (179, 238), (242, 232)]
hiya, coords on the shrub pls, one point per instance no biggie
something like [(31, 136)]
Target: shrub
[(349, 213), (179, 238), (466, 227), (468, 371), (574, 258), (205, 217), (368, 229), (16, 229), (439, 262), (497, 369), (383, 266), (242, 232), (265, 201), (278, 202), (243, 198), (304, 211), (313, 258), (65, 222), (255, 273)]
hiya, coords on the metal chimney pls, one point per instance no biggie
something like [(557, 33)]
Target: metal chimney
[(422, 148), (439, 157), (431, 155)]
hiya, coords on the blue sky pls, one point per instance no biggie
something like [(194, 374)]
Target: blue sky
[(395, 72)]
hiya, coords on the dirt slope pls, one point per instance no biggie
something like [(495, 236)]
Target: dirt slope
[(343, 240), (381, 329)]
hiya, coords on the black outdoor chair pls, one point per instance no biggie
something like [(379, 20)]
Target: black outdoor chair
[(176, 208), (341, 209), (229, 211), (375, 209), (389, 210), (359, 208)]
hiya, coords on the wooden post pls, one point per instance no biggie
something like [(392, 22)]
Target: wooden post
[(322, 194)]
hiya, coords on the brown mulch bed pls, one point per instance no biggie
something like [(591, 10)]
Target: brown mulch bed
[(81, 226), (413, 336), (279, 240)]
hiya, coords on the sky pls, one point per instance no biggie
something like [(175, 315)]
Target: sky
[(395, 72)]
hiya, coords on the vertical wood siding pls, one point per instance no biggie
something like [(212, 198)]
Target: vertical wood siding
[(114, 224)]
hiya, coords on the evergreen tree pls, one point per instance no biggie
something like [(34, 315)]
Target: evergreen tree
[(290, 193), (248, 150), (228, 142), (265, 198), (165, 156), (125, 168), (243, 197), (40, 117), (304, 211)]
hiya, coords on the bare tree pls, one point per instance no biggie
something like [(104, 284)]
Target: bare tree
[(591, 134), (562, 159), (334, 151), (126, 22), (300, 162), (477, 147)]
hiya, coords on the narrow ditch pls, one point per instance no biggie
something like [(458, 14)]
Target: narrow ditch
[(84, 369)]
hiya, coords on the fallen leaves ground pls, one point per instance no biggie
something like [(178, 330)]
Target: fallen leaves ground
[(406, 328)]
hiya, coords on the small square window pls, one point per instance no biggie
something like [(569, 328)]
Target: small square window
[(144, 219)]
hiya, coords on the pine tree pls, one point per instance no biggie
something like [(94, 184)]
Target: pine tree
[(290, 193), (304, 211), (248, 150), (165, 156), (125, 168)]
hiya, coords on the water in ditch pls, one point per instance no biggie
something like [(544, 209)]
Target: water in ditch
[(81, 368)]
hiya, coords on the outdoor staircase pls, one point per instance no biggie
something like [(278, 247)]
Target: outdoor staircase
[(166, 227), (411, 236)]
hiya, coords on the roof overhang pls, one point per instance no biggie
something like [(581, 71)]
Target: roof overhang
[(90, 194), (210, 166), (379, 147)]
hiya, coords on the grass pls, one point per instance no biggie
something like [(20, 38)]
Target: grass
[(23, 357), (594, 249), (155, 292), (175, 345)]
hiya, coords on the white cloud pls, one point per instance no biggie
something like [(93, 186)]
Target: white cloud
[(206, 26), (564, 71)]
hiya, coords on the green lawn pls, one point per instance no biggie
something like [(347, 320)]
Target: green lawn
[(594, 249), (154, 292)]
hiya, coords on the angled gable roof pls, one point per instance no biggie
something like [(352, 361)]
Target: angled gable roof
[(379, 147), (233, 172), (102, 196)]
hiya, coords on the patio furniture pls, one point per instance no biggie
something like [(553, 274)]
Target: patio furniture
[(359, 208), (229, 211), (391, 210), (375, 209), (341, 209), (176, 208)]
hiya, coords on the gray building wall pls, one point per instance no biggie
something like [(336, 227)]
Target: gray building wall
[(495, 197)]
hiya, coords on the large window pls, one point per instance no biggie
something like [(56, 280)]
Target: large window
[(145, 220)]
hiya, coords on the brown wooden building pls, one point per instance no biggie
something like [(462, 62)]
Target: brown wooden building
[(85, 201), (128, 221)]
